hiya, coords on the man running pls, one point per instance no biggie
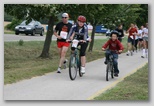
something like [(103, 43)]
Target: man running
[(63, 29)]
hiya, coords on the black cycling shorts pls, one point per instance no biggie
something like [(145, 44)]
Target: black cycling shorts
[(83, 48)]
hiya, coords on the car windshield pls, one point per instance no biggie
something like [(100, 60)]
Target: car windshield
[(31, 23), (23, 23)]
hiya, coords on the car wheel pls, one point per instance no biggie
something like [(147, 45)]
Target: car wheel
[(17, 33), (42, 32), (33, 33), (26, 33)]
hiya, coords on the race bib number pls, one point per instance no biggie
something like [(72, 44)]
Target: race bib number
[(75, 43), (63, 34), (131, 37)]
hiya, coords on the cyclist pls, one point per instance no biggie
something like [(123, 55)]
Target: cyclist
[(121, 32), (80, 32), (140, 34), (63, 29), (145, 40), (131, 38), (115, 46)]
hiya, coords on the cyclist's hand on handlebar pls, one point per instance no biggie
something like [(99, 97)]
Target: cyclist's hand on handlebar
[(83, 41), (71, 38), (68, 40), (120, 51), (103, 49), (90, 39)]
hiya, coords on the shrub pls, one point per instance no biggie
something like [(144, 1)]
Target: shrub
[(21, 42), (13, 24)]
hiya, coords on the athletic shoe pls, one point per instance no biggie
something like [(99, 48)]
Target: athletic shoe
[(116, 74), (142, 56), (59, 70), (83, 70), (127, 54), (105, 62), (65, 63)]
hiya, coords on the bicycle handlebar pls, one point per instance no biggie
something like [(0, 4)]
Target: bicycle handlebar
[(114, 51), (81, 41)]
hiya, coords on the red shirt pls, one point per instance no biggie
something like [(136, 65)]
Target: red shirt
[(113, 45), (131, 31)]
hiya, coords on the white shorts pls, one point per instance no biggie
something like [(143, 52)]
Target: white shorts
[(145, 38)]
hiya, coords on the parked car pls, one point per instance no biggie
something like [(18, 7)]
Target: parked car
[(100, 29), (34, 27)]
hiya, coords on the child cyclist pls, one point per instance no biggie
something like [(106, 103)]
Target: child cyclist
[(114, 46)]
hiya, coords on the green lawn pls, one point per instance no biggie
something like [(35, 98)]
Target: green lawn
[(134, 87)]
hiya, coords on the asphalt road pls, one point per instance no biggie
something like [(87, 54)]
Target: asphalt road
[(12, 37), (54, 86)]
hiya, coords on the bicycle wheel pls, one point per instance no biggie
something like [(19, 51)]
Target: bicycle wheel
[(112, 71), (72, 67), (107, 71), (79, 67)]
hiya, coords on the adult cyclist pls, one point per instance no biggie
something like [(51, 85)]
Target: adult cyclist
[(80, 32)]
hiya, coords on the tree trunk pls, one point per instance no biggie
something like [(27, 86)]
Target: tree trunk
[(45, 51), (92, 37)]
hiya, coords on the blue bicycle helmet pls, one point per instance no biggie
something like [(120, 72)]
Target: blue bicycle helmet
[(114, 32)]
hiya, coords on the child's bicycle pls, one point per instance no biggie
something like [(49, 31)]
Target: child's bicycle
[(75, 61), (110, 67)]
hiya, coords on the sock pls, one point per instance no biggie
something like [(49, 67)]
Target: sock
[(143, 52), (128, 51)]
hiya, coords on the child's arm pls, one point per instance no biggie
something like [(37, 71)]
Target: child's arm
[(106, 45), (120, 46)]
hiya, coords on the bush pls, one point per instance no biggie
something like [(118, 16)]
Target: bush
[(21, 42), (13, 24)]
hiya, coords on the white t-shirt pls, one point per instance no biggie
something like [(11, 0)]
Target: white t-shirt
[(145, 32), (140, 33)]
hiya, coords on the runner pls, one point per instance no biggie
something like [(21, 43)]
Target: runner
[(131, 38), (63, 29), (145, 41), (140, 34), (80, 32), (120, 31), (136, 39)]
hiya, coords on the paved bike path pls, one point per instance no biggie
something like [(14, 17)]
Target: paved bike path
[(54, 86)]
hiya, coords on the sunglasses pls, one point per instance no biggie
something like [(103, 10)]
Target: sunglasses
[(64, 17)]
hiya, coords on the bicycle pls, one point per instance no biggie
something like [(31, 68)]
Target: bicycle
[(110, 67), (75, 61)]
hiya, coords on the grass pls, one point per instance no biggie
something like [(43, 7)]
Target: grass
[(8, 32), (22, 62), (134, 87)]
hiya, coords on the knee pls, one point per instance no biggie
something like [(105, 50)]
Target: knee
[(115, 61), (63, 53)]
